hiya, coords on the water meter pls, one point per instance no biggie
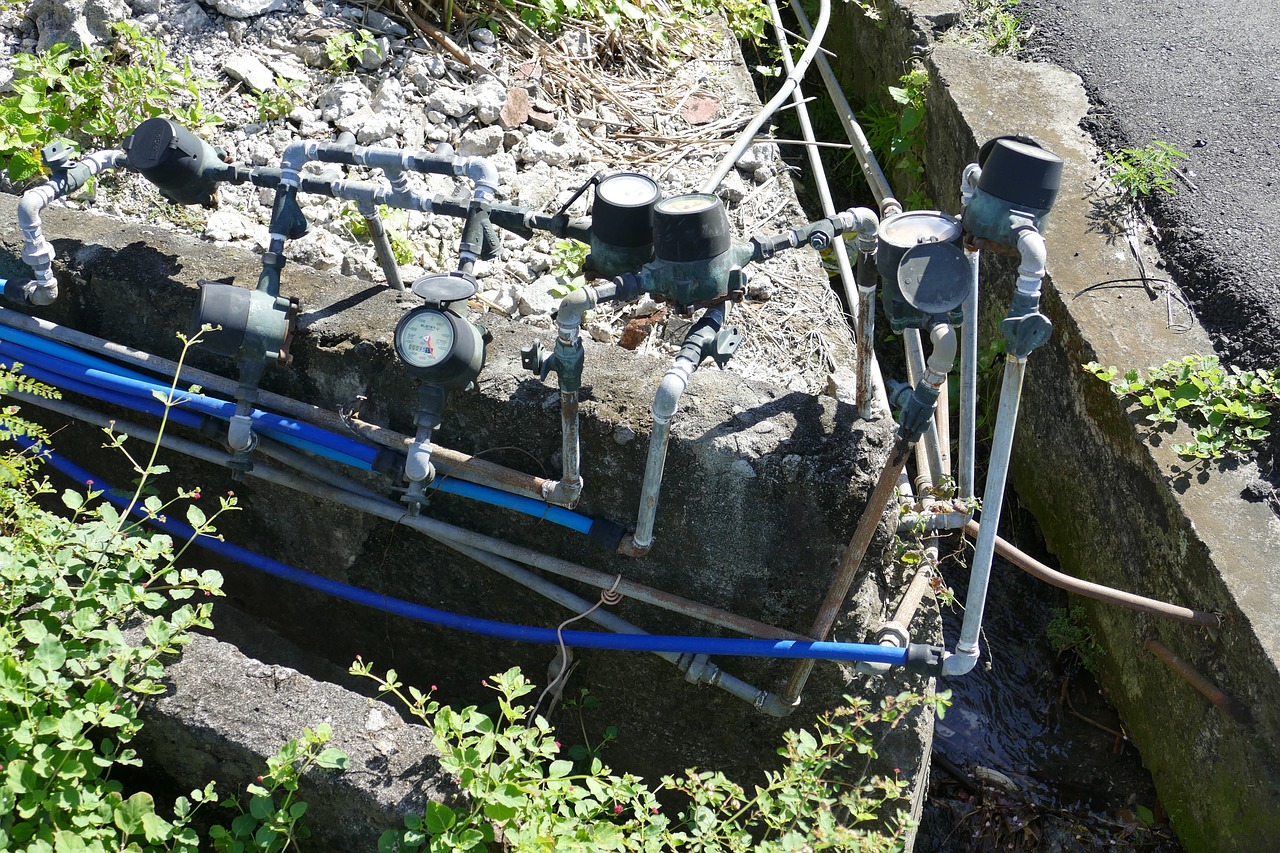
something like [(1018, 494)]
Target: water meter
[(1018, 185), (622, 223), (695, 262), (931, 274), (435, 344)]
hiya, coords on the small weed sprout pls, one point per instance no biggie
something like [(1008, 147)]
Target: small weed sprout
[(396, 224), (567, 259), (346, 49), (1068, 632), (275, 104), (1140, 172)]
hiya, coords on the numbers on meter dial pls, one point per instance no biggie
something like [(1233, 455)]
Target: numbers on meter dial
[(425, 338)]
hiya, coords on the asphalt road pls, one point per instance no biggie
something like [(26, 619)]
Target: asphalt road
[(1206, 79)]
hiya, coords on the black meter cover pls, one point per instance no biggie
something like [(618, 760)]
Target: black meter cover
[(174, 159)]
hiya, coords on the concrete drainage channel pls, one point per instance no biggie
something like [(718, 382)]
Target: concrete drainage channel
[(755, 477)]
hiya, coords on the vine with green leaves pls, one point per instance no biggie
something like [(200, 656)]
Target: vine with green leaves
[(518, 790), (91, 605), (1227, 409)]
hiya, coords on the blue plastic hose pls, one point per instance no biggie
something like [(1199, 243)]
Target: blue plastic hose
[(488, 627), (96, 377), (266, 421)]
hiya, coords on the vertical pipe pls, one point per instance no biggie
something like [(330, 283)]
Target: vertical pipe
[(382, 248), (870, 387), (861, 148), (928, 453), (570, 446), (969, 381), (967, 649), (863, 310), (665, 402)]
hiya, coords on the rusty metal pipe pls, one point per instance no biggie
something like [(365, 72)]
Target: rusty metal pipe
[(1097, 591), (450, 462), (883, 495), (1206, 688)]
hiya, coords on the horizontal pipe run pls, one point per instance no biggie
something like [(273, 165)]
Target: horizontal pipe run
[(502, 630), (1206, 688), (450, 462), (1088, 589), (331, 446), (449, 534)]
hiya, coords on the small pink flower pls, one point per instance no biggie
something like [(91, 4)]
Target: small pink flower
[(195, 496), (896, 770), (259, 778), (617, 808), (557, 744), (88, 482), (434, 688)]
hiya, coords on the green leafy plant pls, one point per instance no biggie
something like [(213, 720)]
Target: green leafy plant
[(1068, 632), (582, 704), (1140, 172), (897, 135), (1227, 409), (992, 25), (275, 104), (270, 825), (567, 260), (92, 97), (344, 50), (15, 466), (518, 790)]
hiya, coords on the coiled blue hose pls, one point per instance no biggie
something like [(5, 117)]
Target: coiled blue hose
[(472, 624), (104, 380)]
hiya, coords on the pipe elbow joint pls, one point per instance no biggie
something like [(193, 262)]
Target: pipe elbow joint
[(667, 398), (240, 435), (1031, 247), (575, 304), (295, 155), (961, 662), (417, 464), (945, 345), (483, 174), (562, 493), (44, 293), (866, 226), (969, 183)]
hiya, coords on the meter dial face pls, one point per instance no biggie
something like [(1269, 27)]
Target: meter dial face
[(919, 226), (424, 338), (627, 189), (693, 203)]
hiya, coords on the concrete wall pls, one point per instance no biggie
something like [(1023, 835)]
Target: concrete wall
[(1115, 503)]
